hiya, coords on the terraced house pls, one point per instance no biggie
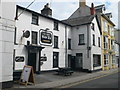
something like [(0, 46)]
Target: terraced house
[(108, 43), (109, 47)]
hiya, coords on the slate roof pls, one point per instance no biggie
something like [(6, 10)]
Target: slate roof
[(80, 20)]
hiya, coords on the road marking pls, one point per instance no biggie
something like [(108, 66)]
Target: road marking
[(90, 79)]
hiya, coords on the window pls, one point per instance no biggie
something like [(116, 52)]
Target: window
[(69, 43), (34, 37), (55, 25), (98, 41), (93, 39), (105, 42), (96, 60), (93, 26), (105, 26), (55, 59), (112, 45), (81, 39), (105, 59), (55, 41), (35, 19), (113, 59), (112, 31)]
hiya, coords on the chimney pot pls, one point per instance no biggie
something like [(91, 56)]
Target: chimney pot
[(92, 9), (82, 3)]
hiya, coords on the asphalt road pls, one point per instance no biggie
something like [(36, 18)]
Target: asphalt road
[(110, 81)]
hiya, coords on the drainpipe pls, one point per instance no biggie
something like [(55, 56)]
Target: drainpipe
[(88, 48), (66, 63)]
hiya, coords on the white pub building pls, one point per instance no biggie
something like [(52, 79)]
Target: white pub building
[(47, 43)]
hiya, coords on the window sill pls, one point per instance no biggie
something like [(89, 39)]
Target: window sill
[(81, 44), (35, 24)]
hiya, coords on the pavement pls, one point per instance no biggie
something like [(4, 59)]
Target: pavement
[(52, 80)]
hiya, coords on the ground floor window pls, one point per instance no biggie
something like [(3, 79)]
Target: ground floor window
[(96, 60), (113, 59), (55, 59), (105, 59)]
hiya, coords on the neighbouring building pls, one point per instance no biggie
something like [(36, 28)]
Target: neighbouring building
[(7, 28), (86, 38), (108, 39)]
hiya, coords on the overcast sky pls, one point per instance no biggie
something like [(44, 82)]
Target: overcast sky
[(62, 9)]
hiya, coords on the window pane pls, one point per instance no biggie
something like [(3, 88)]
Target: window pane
[(69, 43), (55, 41), (81, 39), (34, 37), (34, 19), (55, 25)]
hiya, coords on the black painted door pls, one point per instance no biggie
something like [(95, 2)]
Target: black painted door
[(32, 60)]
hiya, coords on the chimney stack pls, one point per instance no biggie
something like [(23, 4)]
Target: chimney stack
[(82, 3), (46, 10), (92, 9)]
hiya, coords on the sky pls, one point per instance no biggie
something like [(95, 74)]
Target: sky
[(62, 9)]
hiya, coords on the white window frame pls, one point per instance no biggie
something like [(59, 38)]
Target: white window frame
[(112, 31), (106, 60), (105, 26), (106, 43), (113, 59)]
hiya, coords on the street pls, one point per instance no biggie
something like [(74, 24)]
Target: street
[(110, 81)]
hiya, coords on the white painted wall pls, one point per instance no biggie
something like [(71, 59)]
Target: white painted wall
[(24, 23), (95, 49), (7, 26), (87, 61), (80, 48)]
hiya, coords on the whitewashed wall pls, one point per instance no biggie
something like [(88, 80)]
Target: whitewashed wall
[(7, 26), (95, 49), (80, 48), (24, 23)]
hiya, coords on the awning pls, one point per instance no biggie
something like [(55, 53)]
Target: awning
[(34, 47)]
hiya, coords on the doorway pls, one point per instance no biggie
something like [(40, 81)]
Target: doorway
[(79, 60), (32, 60), (69, 60)]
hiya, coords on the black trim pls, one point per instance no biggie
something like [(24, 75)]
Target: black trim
[(7, 84), (15, 34), (17, 6), (14, 59)]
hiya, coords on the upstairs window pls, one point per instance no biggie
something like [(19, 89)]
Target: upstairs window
[(35, 19), (105, 42), (55, 41), (93, 39), (69, 43), (98, 41), (93, 26), (105, 26), (55, 25), (81, 39), (34, 37)]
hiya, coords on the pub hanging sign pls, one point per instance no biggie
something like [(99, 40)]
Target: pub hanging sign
[(46, 37)]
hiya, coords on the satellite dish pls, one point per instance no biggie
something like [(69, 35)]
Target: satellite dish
[(26, 34)]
